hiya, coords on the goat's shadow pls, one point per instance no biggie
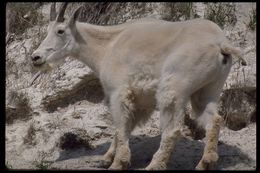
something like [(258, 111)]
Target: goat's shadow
[(185, 156)]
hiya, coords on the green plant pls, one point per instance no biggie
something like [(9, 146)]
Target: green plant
[(221, 13), (252, 20)]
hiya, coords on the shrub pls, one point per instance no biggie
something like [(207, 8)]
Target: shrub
[(20, 108), (75, 139), (21, 16), (178, 11), (221, 13), (252, 20)]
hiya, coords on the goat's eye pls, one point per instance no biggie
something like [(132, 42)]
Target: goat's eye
[(60, 31)]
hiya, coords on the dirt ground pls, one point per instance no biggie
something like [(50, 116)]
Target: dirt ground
[(237, 149)]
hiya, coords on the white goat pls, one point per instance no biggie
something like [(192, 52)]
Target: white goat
[(145, 64)]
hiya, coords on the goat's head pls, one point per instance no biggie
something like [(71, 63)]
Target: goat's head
[(61, 41)]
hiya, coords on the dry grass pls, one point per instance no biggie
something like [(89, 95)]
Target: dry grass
[(252, 22), (237, 106), (21, 16), (221, 13), (20, 107), (30, 136), (107, 13), (178, 11), (11, 67), (42, 163)]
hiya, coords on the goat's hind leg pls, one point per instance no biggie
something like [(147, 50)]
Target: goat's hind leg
[(108, 157), (210, 155), (171, 104), (204, 104)]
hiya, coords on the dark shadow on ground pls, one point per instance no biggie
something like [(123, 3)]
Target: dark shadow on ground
[(185, 156)]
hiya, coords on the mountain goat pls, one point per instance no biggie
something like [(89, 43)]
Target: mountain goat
[(146, 64)]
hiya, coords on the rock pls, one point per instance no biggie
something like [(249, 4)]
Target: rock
[(83, 88)]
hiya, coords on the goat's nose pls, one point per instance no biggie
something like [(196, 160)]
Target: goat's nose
[(35, 57)]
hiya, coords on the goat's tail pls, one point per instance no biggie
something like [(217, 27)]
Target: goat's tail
[(228, 49)]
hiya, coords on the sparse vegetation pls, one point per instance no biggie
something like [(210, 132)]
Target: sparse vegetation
[(56, 122), (75, 114), (252, 20), (20, 107), (42, 163), (234, 103), (178, 11), (21, 16), (107, 13), (221, 13), (11, 67), (30, 136)]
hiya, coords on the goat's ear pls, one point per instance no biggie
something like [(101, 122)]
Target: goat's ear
[(75, 16), (72, 26)]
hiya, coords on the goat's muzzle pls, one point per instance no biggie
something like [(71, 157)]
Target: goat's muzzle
[(37, 60)]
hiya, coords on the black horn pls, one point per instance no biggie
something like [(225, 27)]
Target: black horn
[(53, 12), (60, 17)]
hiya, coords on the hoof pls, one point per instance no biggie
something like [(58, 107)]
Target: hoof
[(156, 167), (123, 166), (208, 161), (115, 167), (102, 162)]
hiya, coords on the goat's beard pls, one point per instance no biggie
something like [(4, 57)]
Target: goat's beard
[(45, 67), (57, 57)]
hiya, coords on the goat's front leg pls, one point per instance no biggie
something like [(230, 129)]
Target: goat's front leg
[(122, 107), (123, 153), (108, 157), (210, 155), (161, 157)]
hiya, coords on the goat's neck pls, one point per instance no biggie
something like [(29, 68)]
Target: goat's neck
[(98, 40)]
